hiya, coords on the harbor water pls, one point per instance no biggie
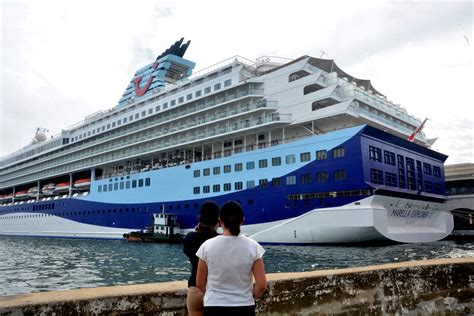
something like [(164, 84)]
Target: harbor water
[(40, 264)]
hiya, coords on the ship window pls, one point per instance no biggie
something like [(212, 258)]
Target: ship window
[(389, 157), (250, 184), (276, 161), (338, 152), (115, 186), (216, 170), (375, 153), (217, 86), (428, 186), (321, 155), (197, 93), (376, 176), (207, 90), (110, 186), (206, 189), (263, 183), (290, 159), (290, 180), (262, 163), (276, 182), (216, 188), (250, 165), (238, 166), (390, 179), (122, 185), (119, 122), (227, 186), (105, 188), (180, 100), (134, 183), (143, 113), (238, 186), (227, 168), (100, 188), (130, 118), (427, 168), (197, 173), (206, 172), (140, 183), (311, 88), (147, 182), (305, 157), (436, 171), (127, 185), (340, 175), (108, 126), (113, 125), (137, 115), (189, 96), (157, 108), (305, 178), (228, 82), (322, 177), (297, 75), (124, 120)]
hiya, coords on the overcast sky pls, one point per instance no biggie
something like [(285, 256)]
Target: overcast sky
[(63, 60)]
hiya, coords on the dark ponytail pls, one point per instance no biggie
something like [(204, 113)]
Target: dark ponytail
[(232, 216), (208, 217)]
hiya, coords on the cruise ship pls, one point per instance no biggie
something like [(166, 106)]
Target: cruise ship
[(314, 155)]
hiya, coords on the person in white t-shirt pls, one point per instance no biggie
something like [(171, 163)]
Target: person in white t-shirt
[(226, 266)]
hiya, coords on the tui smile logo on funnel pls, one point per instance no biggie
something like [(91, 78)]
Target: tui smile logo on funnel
[(167, 68)]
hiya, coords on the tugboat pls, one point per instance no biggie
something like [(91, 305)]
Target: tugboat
[(165, 229)]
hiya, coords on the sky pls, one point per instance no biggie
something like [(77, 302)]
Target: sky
[(64, 60)]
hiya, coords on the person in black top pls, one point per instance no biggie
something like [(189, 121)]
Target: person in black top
[(206, 229)]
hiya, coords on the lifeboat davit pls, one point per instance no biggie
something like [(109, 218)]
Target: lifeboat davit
[(21, 194), (82, 183), (48, 189), (33, 192), (63, 186)]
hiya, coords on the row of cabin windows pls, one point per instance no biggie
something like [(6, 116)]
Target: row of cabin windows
[(80, 213), (390, 179), (123, 185), (275, 161), (307, 178), (157, 108), (375, 154)]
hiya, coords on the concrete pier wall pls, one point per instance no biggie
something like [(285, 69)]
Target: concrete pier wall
[(441, 286)]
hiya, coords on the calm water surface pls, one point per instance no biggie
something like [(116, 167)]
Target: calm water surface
[(39, 264)]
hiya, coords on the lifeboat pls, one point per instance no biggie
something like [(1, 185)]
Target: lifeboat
[(21, 194), (63, 186), (48, 189), (33, 192), (82, 183)]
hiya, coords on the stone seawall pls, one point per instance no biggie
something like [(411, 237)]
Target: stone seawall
[(440, 286)]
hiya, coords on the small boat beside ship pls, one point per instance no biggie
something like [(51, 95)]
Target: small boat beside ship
[(165, 229)]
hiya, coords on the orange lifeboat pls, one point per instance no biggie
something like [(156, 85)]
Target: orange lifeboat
[(63, 186), (48, 189), (82, 183), (21, 194)]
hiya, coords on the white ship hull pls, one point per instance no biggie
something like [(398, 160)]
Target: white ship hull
[(375, 218)]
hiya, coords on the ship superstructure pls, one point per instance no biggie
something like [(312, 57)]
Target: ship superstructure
[(176, 139)]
